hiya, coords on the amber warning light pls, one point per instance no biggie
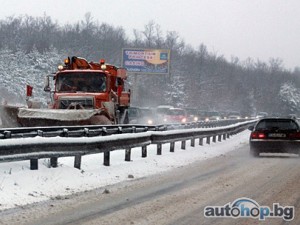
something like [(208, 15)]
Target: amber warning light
[(67, 61)]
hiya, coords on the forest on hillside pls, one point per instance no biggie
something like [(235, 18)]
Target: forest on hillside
[(32, 47)]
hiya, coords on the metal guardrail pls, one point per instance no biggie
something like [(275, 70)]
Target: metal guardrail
[(43, 146), (102, 130)]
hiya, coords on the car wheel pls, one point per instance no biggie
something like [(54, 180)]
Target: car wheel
[(254, 153)]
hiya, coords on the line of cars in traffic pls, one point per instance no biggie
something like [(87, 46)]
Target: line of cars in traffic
[(169, 114)]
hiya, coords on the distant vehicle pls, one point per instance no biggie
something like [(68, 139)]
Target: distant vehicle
[(176, 115), (140, 115), (202, 115), (161, 111), (274, 135), (209, 115), (214, 115), (261, 115), (134, 114), (234, 115), (223, 114), (192, 114), (147, 116)]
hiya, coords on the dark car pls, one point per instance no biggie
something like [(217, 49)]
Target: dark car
[(209, 115), (192, 114), (275, 135), (140, 115), (147, 116), (234, 115), (134, 114)]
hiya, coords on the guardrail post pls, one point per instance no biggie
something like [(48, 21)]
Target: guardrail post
[(207, 140), (144, 151), (34, 164), (86, 132), (77, 162), (104, 131), (7, 134), (219, 137), (106, 159), (159, 146), (172, 146), (228, 135), (200, 141), (128, 154), (53, 162), (133, 129), (214, 139), (120, 130), (193, 142), (224, 136), (183, 145), (40, 133), (65, 133)]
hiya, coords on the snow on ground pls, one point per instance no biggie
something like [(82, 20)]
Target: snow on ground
[(19, 185)]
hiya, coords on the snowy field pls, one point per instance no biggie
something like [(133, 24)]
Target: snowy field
[(19, 185)]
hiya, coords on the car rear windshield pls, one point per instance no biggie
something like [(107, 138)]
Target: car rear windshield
[(277, 125)]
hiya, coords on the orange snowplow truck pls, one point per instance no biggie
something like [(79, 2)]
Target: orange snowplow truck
[(85, 93)]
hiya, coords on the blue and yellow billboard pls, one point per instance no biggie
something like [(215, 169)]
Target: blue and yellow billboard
[(150, 61)]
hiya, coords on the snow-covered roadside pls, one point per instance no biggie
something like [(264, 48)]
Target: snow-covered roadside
[(20, 186)]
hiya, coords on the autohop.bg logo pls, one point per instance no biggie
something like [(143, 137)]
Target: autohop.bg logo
[(248, 208)]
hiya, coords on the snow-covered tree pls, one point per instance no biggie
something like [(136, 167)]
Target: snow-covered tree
[(18, 69), (290, 97)]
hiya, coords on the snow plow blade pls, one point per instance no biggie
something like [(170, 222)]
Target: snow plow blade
[(60, 117), (14, 116), (9, 115)]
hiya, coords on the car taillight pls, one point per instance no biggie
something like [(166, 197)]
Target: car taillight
[(295, 135), (258, 135)]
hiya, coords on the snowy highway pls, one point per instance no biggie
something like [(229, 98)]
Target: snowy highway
[(173, 188)]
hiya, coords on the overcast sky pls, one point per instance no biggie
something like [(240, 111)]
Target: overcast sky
[(261, 29)]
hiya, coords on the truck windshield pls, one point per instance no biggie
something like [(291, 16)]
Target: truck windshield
[(81, 82)]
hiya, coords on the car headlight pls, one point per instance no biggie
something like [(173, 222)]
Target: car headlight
[(195, 118), (183, 120), (150, 122), (206, 119)]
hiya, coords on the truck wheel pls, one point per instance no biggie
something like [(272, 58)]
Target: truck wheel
[(100, 120)]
